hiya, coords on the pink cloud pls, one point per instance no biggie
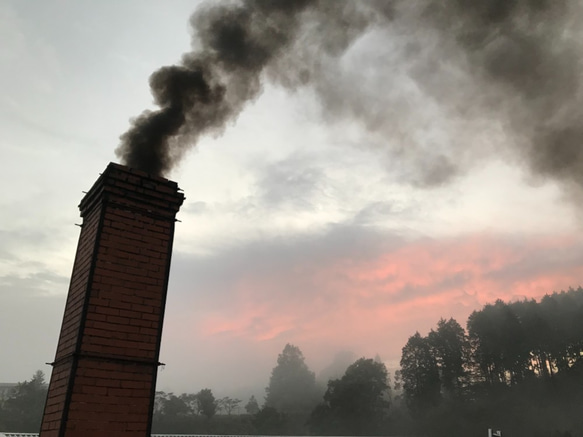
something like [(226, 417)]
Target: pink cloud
[(364, 295), (360, 302)]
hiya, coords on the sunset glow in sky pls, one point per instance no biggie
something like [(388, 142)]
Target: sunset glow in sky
[(298, 226)]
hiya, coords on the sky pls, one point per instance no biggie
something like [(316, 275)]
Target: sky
[(301, 225)]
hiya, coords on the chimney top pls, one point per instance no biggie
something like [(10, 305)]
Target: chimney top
[(132, 189)]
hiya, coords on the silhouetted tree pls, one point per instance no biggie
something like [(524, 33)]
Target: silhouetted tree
[(185, 414), (499, 342), (22, 409), (524, 368), (206, 402), (292, 386), (450, 348), (269, 421), (252, 407), (228, 405), (175, 406), (174, 413), (192, 403), (355, 404), (563, 312), (420, 375)]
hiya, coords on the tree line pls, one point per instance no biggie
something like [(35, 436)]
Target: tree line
[(22, 407), (295, 403), (516, 366)]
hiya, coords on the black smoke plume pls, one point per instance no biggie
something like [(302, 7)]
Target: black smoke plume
[(503, 75), (213, 82)]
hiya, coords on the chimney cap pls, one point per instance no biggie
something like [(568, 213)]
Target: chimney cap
[(133, 189)]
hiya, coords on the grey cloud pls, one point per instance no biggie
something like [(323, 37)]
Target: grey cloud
[(542, 260), (260, 257), (14, 240), (40, 283), (291, 182), (18, 243), (456, 280), (195, 207), (13, 118), (30, 327), (289, 266), (382, 211), (293, 266)]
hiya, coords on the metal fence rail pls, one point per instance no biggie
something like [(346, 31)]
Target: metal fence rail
[(18, 434)]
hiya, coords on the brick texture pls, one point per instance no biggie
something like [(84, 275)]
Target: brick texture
[(104, 373)]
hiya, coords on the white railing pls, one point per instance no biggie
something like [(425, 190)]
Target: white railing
[(18, 434)]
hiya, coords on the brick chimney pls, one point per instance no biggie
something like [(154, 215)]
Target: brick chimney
[(104, 374)]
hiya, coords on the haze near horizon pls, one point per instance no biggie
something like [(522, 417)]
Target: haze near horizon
[(333, 223)]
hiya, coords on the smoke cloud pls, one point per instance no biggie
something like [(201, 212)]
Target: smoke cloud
[(501, 76)]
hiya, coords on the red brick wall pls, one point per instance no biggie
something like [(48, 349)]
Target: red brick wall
[(105, 369)]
